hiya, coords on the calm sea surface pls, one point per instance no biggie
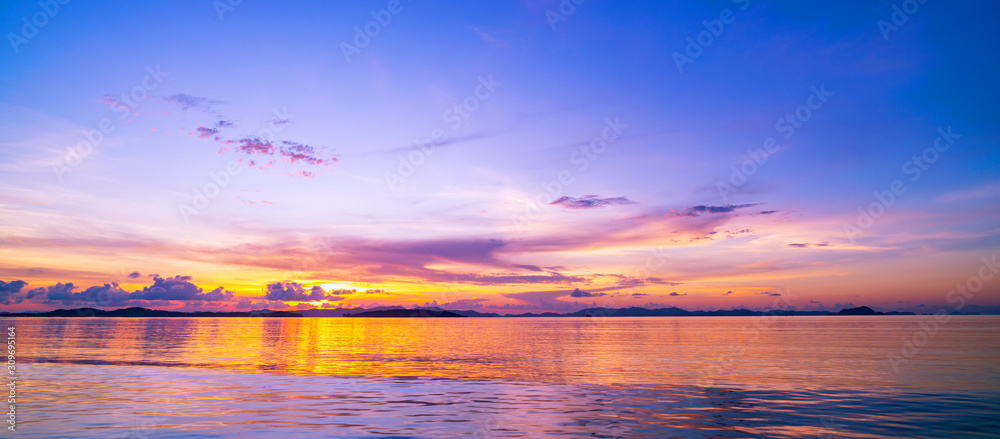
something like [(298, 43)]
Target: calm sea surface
[(702, 377)]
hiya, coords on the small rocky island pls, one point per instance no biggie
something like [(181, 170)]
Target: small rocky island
[(405, 313)]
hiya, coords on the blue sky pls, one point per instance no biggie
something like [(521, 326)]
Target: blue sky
[(318, 139)]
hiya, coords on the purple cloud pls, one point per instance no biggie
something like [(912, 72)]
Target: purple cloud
[(178, 288), (527, 267), (463, 304), (8, 289), (590, 202), (115, 103), (339, 292), (291, 291), (507, 279), (255, 145), (703, 209), (204, 132), (188, 102), (295, 292), (106, 294), (579, 293), (293, 152), (805, 245)]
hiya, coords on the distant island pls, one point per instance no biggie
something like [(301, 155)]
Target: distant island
[(419, 312), (859, 311), (398, 311)]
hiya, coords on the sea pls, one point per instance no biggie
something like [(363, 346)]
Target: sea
[(600, 377)]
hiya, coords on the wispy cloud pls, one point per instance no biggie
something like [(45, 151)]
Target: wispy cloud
[(291, 152), (115, 103), (459, 304), (295, 152), (188, 102), (527, 267), (206, 132), (805, 244), (991, 190), (580, 293), (487, 37), (545, 300), (705, 209), (590, 202)]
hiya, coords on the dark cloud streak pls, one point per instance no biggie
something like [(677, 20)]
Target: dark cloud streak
[(591, 202)]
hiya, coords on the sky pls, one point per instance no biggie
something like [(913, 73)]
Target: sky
[(502, 156)]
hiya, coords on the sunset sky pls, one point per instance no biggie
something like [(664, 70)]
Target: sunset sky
[(505, 156)]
